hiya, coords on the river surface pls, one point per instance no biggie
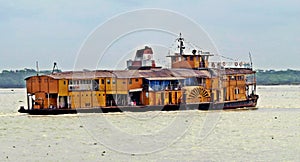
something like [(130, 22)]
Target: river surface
[(270, 133)]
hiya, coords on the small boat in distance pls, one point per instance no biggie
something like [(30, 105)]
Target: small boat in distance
[(192, 82)]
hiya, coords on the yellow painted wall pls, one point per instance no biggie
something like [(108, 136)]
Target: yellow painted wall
[(166, 97), (108, 84), (179, 97), (122, 85), (63, 87), (98, 99), (102, 83), (75, 98), (152, 98), (158, 98), (86, 99), (231, 88)]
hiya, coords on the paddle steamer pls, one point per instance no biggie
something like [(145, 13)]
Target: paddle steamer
[(192, 82)]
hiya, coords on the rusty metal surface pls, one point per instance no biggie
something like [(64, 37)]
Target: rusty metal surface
[(238, 71), (152, 73), (165, 73)]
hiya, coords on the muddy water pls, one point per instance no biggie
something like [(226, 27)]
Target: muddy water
[(271, 133)]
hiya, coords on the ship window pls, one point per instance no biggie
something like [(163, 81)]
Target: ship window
[(108, 81), (88, 81), (64, 82), (113, 81), (51, 95), (130, 81), (237, 91), (191, 58), (191, 82), (124, 82), (102, 81), (173, 59), (136, 80)]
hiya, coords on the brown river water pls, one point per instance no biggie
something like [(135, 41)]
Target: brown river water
[(270, 133)]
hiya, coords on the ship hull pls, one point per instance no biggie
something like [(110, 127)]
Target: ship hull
[(247, 104)]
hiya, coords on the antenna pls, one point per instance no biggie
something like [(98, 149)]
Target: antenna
[(37, 68), (181, 45), (250, 60), (54, 65)]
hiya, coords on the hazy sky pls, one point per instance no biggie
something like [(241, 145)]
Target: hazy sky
[(48, 31)]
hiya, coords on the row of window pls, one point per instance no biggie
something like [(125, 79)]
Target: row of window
[(108, 81), (241, 77), (189, 58), (88, 95), (158, 85), (40, 80)]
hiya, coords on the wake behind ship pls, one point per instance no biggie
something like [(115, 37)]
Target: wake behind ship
[(192, 82)]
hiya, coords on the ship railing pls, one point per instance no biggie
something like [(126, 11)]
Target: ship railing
[(250, 82), (234, 64)]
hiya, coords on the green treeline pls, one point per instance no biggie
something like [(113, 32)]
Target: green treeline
[(282, 77), (15, 78)]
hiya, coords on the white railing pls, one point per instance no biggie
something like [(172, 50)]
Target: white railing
[(229, 64)]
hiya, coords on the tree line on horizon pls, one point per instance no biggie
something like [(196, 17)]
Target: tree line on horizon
[(16, 78), (280, 77)]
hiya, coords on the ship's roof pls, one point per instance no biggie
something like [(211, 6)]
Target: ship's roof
[(231, 71), (152, 73), (159, 74)]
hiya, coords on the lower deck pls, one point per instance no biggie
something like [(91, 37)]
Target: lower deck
[(249, 103)]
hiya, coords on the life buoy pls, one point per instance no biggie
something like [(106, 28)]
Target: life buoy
[(241, 64), (236, 63), (224, 63)]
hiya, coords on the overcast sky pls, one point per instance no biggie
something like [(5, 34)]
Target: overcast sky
[(48, 31)]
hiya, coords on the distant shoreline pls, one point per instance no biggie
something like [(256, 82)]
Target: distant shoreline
[(16, 78)]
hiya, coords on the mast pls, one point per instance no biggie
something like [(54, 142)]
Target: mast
[(37, 68), (55, 65), (254, 76), (250, 60), (181, 45)]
